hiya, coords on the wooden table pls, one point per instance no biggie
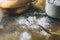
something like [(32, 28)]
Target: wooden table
[(24, 26)]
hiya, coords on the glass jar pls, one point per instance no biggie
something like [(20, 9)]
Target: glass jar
[(53, 8)]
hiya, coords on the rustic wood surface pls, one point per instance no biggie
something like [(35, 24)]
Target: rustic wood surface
[(12, 28)]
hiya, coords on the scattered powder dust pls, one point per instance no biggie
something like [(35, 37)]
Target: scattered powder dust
[(25, 36), (43, 33), (32, 22), (43, 22), (29, 22)]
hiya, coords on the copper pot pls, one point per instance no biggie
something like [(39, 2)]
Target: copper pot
[(14, 6)]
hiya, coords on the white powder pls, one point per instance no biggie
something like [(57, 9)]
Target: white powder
[(43, 33), (25, 36), (23, 21), (42, 21), (31, 23)]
